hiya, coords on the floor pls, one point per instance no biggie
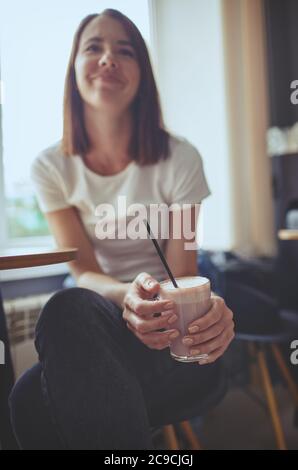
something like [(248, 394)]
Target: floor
[(240, 422)]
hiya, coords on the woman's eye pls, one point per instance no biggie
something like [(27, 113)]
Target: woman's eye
[(127, 52), (96, 49), (93, 48)]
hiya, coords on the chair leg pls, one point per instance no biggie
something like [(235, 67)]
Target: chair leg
[(190, 435), (285, 372), (253, 369), (170, 437), (271, 400)]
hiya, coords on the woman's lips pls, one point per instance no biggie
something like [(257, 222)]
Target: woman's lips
[(107, 79)]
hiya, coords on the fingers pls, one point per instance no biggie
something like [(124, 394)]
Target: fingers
[(216, 354), (149, 324), (139, 298), (212, 317), (146, 282), (145, 317), (143, 307), (220, 341), (156, 340), (212, 332), (209, 335)]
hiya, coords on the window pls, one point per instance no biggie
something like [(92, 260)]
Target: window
[(36, 39)]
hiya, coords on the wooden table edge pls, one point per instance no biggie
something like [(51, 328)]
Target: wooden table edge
[(31, 260)]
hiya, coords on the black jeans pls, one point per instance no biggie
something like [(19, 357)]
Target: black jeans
[(103, 388)]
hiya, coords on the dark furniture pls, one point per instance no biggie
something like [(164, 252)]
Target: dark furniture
[(7, 440), (13, 259)]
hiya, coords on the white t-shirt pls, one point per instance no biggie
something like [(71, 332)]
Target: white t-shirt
[(62, 182)]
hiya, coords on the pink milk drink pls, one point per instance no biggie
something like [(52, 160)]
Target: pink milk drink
[(192, 300)]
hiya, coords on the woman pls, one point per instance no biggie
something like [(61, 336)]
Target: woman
[(106, 371)]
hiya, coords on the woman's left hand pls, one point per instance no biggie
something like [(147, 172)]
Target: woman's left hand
[(212, 333)]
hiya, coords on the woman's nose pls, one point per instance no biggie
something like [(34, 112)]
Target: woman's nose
[(108, 60)]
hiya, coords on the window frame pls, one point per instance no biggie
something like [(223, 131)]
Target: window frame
[(5, 241)]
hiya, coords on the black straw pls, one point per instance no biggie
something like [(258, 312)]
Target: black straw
[(164, 262)]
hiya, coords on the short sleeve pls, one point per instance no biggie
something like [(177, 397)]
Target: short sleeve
[(189, 184), (49, 186)]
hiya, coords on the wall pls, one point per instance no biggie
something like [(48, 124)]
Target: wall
[(190, 73)]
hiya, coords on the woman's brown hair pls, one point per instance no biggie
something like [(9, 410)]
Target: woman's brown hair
[(150, 140)]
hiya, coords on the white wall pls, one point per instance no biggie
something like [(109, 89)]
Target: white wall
[(190, 74)]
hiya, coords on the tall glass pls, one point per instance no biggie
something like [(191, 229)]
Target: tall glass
[(193, 300)]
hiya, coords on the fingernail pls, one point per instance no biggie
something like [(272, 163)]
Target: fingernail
[(174, 335), (172, 319), (203, 361), (187, 341), (193, 329), (194, 352), (169, 312), (169, 305)]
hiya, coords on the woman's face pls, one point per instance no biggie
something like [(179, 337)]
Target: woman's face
[(106, 68)]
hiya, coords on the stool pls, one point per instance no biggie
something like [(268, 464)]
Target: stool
[(171, 440), (259, 345)]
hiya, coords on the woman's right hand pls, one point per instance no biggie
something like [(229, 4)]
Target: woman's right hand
[(139, 313)]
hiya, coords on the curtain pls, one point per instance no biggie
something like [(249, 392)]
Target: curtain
[(248, 117)]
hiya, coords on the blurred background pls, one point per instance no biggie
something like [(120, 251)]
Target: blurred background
[(231, 69), (227, 66)]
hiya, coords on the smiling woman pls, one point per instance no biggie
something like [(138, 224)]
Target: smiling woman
[(123, 72), (31, 102), (109, 77), (107, 374)]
